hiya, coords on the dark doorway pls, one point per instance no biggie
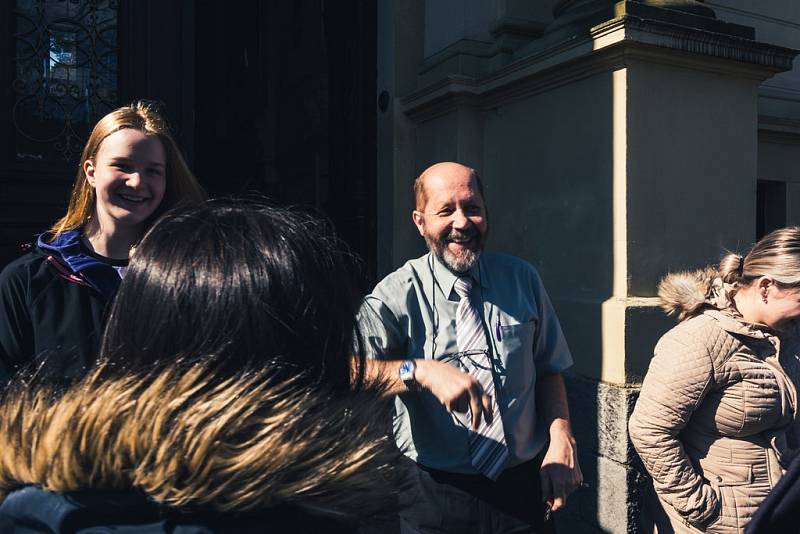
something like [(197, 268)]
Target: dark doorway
[(273, 97), (285, 106), (770, 206)]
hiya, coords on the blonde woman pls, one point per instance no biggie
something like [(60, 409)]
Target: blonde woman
[(715, 423), (52, 299)]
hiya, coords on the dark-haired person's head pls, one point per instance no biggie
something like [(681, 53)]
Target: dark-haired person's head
[(237, 285), (223, 395)]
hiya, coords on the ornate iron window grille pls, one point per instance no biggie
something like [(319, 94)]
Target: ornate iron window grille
[(65, 74)]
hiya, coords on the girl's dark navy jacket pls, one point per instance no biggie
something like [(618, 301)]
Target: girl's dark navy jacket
[(52, 305)]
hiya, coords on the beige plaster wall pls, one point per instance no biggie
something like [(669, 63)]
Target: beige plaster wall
[(692, 154), (548, 167)]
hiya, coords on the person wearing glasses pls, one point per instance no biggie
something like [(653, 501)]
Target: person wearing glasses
[(470, 344)]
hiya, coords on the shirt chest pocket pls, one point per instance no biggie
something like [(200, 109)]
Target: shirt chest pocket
[(516, 368)]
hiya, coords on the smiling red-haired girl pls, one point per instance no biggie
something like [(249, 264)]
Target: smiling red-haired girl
[(52, 299)]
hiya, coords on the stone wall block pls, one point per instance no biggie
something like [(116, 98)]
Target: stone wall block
[(612, 502)]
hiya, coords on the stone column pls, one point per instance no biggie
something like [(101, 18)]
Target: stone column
[(682, 90)]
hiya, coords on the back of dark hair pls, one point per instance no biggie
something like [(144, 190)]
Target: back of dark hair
[(238, 284)]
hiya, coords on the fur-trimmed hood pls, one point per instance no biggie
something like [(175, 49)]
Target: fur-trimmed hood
[(690, 293), (686, 293), (242, 444)]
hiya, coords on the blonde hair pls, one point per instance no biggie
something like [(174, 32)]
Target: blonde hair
[(776, 255), (181, 185)]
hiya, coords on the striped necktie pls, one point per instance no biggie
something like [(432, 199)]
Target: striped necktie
[(487, 445)]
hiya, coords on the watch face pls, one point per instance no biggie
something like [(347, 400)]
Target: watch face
[(407, 370)]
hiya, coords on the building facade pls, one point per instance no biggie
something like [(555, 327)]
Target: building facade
[(617, 141)]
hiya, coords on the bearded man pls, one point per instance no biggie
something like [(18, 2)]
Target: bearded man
[(469, 343)]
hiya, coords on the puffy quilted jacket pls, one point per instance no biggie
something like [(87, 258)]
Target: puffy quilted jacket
[(715, 423)]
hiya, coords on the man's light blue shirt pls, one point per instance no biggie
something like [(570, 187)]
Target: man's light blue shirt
[(411, 314)]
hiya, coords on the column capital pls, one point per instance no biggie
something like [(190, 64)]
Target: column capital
[(580, 15)]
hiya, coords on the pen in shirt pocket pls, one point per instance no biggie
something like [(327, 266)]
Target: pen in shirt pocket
[(498, 335)]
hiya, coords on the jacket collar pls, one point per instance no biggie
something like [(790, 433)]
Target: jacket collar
[(731, 321), (71, 254), (68, 247)]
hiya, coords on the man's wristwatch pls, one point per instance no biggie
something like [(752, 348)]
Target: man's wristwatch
[(407, 371)]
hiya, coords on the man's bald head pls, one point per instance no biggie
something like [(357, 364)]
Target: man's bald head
[(444, 168)]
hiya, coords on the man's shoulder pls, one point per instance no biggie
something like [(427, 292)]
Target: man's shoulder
[(506, 265), (402, 279), (505, 260)]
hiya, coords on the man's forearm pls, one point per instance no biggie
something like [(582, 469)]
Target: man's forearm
[(387, 373), (551, 399), (560, 472), (452, 387)]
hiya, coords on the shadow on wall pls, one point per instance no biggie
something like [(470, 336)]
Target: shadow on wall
[(548, 162), (551, 186)]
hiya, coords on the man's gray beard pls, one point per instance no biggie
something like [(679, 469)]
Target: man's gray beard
[(457, 263)]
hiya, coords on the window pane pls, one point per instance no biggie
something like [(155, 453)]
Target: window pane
[(65, 75)]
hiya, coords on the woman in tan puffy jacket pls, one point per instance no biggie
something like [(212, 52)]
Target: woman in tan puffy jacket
[(716, 420)]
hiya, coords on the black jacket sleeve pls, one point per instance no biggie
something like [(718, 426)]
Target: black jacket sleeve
[(16, 335), (780, 512)]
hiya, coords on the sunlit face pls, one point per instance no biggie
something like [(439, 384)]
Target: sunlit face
[(128, 175), (453, 220), (782, 306)]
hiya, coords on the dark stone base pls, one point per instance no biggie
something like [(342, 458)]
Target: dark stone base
[(613, 502)]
